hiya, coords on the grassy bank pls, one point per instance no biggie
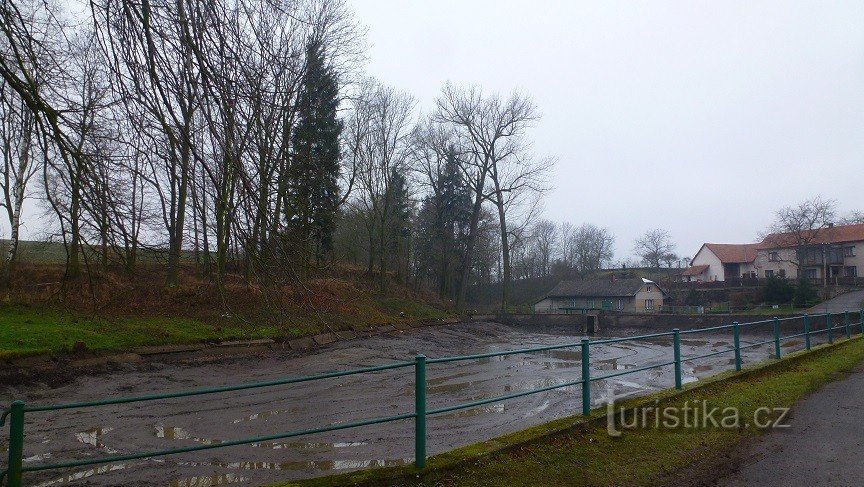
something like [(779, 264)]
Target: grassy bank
[(29, 330), (576, 452)]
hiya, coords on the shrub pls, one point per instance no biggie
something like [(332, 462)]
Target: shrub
[(805, 293), (778, 290)]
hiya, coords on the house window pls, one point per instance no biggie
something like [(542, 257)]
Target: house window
[(810, 274), (782, 272), (649, 289), (850, 271), (619, 305), (774, 256), (649, 304), (590, 303), (769, 273), (849, 251)]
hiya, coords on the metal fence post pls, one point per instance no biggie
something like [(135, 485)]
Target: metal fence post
[(807, 331), (16, 444), (420, 410), (861, 319), (776, 337), (846, 324), (586, 378), (736, 334), (829, 326), (677, 343)]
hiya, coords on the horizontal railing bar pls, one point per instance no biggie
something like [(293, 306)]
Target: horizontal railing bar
[(461, 358), (756, 344), (627, 339), (632, 371), (224, 444), (711, 328), (214, 390), (721, 352), (790, 318), (482, 402), (760, 322)]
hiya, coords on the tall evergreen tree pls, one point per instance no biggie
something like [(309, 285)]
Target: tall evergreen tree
[(314, 174)]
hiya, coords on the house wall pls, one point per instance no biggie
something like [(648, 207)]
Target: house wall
[(787, 257), (638, 303), (554, 305), (715, 267), (858, 260), (763, 262)]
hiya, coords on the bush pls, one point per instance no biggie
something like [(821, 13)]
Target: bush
[(805, 293), (778, 290), (693, 298)]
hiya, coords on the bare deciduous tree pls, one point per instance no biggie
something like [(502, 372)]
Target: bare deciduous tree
[(655, 247)]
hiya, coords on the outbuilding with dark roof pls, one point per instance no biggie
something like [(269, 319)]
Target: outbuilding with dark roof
[(609, 294)]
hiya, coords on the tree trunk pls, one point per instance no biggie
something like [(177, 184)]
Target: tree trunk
[(469, 245), (505, 254)]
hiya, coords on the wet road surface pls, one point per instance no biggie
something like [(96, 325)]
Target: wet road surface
[(121, 429), (822, 446)]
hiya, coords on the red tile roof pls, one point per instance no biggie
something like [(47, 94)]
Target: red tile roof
[(828, 235), (694, 270), (734, 253)]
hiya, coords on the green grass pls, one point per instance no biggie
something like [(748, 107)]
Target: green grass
[(783, 309), (30, 331), (27, 331), (576, 452)]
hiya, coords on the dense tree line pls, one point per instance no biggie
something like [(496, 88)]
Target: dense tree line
[(244, 134)]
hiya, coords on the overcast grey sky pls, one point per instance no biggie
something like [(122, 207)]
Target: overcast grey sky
[(698, 117)]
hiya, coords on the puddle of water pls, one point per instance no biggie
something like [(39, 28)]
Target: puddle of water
[(702, 368), (534, 384), (301, 465), (37, 458), (572, 355), (467, 413), (613, 364), (175, 433), (208, 481), (297, 445), (83, 474), (260, 415), (93, 437)]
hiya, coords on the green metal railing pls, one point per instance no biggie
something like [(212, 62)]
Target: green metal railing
[(16, 413)]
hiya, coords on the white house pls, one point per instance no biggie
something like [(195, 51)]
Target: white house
[(831, 252), (719, 262)]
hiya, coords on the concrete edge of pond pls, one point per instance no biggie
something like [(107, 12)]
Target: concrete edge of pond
[(511, 441)]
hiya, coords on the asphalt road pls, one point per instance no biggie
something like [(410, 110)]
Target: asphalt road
[(823, 445), (851, 301)]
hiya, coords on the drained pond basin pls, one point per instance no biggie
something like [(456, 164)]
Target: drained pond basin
[(57, 436)]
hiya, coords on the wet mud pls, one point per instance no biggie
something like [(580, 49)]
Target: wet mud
[(211, 419)]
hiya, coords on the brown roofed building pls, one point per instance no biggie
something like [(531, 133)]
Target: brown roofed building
[(831, 252), (824, 254), (719, 262)]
